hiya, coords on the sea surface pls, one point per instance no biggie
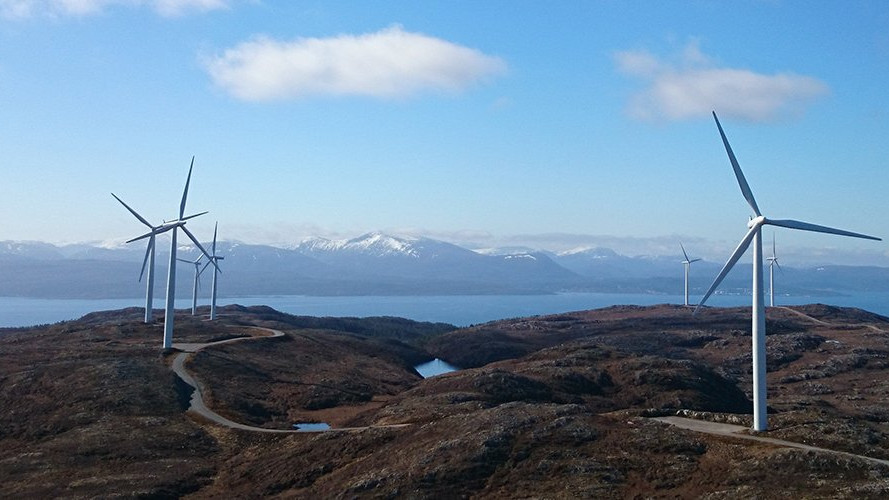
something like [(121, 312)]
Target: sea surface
[(460, 310)]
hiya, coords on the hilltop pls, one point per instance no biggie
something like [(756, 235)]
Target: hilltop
[(553, 406)]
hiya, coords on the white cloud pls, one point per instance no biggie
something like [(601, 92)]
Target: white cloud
[(14, 9), (21, 9), (389, 63), (638, 63), (691, 85), (177, 7)]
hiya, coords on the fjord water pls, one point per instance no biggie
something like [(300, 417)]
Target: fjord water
[(311, 426), (435, 367), (460, 310)]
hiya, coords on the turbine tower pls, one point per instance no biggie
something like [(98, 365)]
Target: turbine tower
[(754, 235), (197, 281), (215, 260), (687, 263), (773, 263), (172, 226)]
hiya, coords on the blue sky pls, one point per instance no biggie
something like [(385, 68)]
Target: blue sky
[(547, 124)]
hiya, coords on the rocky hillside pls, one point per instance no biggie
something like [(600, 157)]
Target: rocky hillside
[(553, 406)]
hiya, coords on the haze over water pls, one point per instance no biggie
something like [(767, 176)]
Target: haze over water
[(459, 310)]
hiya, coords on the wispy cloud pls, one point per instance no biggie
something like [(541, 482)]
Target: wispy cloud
[(690, 85), (23, 9), (390, 63)]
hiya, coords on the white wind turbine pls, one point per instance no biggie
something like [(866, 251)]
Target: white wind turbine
[(197, 281), (149, 258), (754, 235), (773, 263), (172, 226), (687, 263), (150, 253), (215, 260)]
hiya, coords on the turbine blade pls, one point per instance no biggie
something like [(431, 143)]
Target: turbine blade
[(206, 264), (146, 235), (160, 230), (185, 192), (215, 228), (141, 219), (779, 266), (745, 188), (184, 260), (145, 260), (739, 251), (193, 216), (805, 226), (198, 244), (693, 260), (683, 252)]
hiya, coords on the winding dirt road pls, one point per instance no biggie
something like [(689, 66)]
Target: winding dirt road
[(825, 323), (198, 406), (736, 431), (803, 315)]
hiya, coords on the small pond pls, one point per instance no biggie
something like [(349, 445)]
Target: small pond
[(435, 367), (311, 426)]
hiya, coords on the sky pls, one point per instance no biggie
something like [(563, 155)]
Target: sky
[(551, 125)]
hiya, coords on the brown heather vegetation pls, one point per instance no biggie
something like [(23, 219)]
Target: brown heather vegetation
[(552, 406)]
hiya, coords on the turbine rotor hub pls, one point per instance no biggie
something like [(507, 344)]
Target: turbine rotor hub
[(757, 221)]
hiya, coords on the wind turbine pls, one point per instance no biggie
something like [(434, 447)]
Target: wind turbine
[(687, 263), (149, 258), (172, 226), (197, 281), (773, 263), (754, 235), (215, 260)]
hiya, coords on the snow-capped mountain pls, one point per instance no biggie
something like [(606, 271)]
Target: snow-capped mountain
[(425, 261), (35, 249), (590, 253), (380, 245), (505, 251), (381, 264), (606, 263)]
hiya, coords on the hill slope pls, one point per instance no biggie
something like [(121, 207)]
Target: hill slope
[(91, 408)]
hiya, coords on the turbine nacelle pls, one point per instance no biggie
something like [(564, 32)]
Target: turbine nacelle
[(183, 219)]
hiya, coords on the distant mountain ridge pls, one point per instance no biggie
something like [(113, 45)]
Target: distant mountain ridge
[(381, 264), (376, 244)]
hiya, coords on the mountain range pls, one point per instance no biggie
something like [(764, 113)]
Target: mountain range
[(381, 264)]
